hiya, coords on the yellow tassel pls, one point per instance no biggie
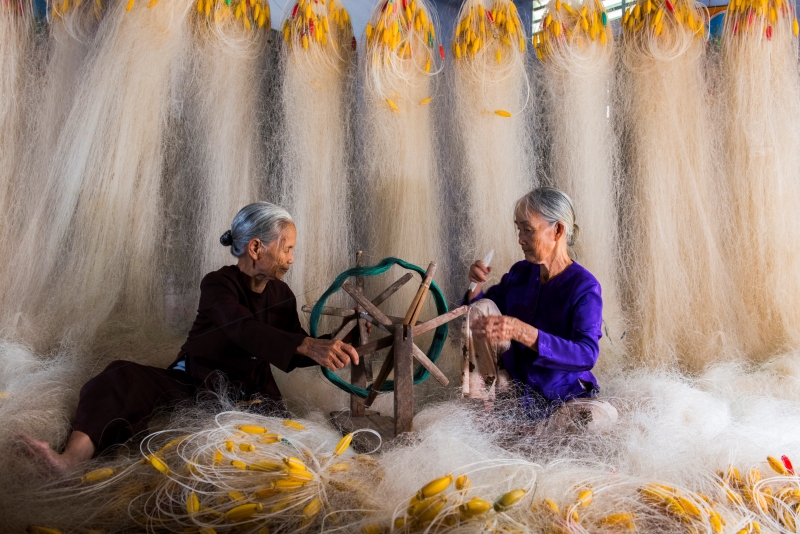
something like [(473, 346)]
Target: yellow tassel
[(552, 505), (266, 466), (434, 487), (295, 463), (236, 496), (300, 474), (229, 446), (429, 513), (498, 56), (473, 507), (795, 27), (312, 508), (97, 475), (238, 464), (428, 66), (246, 447), (158, 464), (339, 467), (511, 498), (243, 511), (252, 429), (585, 497), (716, 522), (689, 507), (129, 6), (265, 493), (777, 466), (393, 106), (618, 519), (270, 438), (502, 113), (462, 482), (288, 484), (192, 503)]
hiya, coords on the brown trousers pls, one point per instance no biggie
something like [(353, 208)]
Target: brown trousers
[(117, 404)]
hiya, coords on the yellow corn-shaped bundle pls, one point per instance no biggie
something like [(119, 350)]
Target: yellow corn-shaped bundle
[(288, 422), (492, 30), (761, 19), (661, 17), (324, 30), (507, 500), (434, 487), (97, 475), (252, 429), (243, 511), (473, 507), (402, 33), (565, 26), (343, 445), (250, 14)]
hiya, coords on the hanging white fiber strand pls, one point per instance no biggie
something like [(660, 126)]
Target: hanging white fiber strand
[(70, 30), (575, 46), (230, 41), (99, 215), (401, 59), (678, 294), (492, 105), (759, 98), (16, 39), (317, 56)]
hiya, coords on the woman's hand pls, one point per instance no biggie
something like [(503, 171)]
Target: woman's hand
[(502, 328), (478, 273), (330, 353)]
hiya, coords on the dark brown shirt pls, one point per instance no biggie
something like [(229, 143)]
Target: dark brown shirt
[(240, 332)]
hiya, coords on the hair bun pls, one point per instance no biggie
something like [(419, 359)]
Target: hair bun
[(226, 239)]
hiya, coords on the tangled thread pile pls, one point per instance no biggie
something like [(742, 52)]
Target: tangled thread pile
[(704, 455), (131, 132)]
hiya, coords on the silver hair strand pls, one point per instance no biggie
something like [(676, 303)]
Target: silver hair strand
[(259, 220), (552, 204)]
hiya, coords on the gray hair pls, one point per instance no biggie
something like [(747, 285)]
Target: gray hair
[(259, 220), (552, 204)]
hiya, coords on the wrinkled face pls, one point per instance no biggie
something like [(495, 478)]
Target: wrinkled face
[(277, 257), (537, 236)]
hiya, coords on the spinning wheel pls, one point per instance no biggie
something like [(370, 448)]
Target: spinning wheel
[(400, 340)]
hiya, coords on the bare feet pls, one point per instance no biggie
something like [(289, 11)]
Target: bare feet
[(41, 451), (79, 449)]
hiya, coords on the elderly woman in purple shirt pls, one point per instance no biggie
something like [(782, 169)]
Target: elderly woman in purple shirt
[(548, 316)]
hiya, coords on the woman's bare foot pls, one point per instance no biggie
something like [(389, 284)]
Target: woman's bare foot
[(79, 449), (41, 451)]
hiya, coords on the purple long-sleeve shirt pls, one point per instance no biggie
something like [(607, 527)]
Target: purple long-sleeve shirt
[(567, 311)]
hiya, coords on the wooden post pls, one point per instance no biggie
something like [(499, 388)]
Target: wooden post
[(403, 380), (358, 375), (411, 319)]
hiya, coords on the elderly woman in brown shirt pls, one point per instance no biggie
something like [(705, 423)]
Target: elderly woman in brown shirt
[(246, 321)]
